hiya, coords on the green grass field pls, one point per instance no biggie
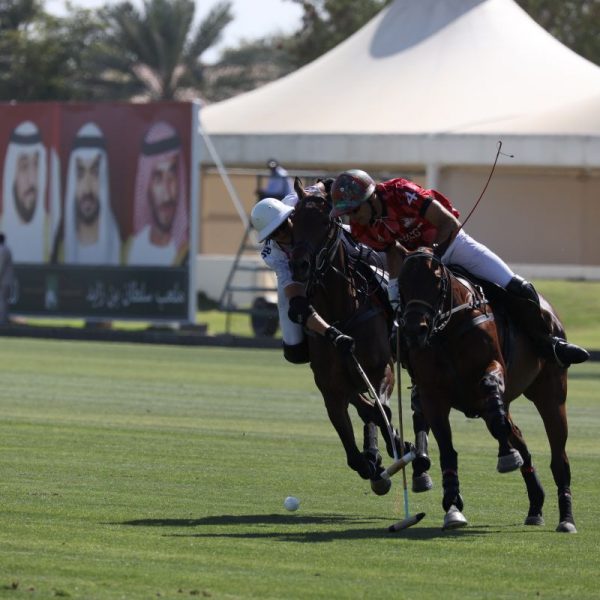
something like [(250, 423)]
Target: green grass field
[(133, 471)]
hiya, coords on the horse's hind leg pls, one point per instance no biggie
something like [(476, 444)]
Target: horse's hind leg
[(379, 485), (548, 393), (535, 491), (492, 390), (337, 410)]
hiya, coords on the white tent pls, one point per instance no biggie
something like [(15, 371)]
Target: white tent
[(429, 87), (407, 88)]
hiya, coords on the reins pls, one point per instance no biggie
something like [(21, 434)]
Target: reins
[(441, 318)]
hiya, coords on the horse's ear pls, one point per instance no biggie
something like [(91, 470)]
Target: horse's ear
[(299, 188)]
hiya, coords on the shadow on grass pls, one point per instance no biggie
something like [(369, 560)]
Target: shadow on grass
[(414, 535), (354, 533), (272, 519)]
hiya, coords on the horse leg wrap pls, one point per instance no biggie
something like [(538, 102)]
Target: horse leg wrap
[(451, 490), (421, 462), (492, 387), (535, 491), (370, 448), (565, 506), (369, 437), (419, 421)]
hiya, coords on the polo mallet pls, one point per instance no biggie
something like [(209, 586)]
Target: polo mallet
[(408, 520), (399, 462)]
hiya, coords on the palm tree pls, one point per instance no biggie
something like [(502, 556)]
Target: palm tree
[(153, 53)]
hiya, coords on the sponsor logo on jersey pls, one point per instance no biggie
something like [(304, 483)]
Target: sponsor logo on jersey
[(413, 234), (411, 197)]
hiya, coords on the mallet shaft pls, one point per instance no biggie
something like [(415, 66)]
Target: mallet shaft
[(399, 464)]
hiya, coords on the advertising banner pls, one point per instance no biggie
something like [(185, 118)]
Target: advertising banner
[(96, 207)]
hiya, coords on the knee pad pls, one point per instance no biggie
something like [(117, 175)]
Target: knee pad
[(296, 353), (523, 289)]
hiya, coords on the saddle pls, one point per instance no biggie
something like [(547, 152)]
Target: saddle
[(504, 309)]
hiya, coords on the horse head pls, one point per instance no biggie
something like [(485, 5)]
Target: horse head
[(423, 284), (312, 232)]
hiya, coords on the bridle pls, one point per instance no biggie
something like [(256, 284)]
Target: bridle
[(438, 312), (320, 254), (432, 311)]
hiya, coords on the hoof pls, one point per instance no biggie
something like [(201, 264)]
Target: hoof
[(421, 483), (381, 486), (454, 519), (509, 462), (534, 520), (566, 527)]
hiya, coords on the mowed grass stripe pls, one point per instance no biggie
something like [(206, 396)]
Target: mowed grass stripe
[(130, 471)]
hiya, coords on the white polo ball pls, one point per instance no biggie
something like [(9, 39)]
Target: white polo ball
[(291, 503)]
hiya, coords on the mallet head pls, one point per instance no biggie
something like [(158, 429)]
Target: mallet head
[(406, 523)]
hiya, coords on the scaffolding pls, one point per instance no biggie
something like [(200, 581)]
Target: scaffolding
[(263, 313)]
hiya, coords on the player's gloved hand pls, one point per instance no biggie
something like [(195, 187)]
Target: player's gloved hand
[(300, 310), (344, 343)]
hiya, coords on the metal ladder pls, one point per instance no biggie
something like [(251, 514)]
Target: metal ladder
[(263, 314)]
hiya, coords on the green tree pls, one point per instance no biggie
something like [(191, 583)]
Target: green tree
[(22, 46), (41, 55), (576, 23), (247, 66), (153, 53)]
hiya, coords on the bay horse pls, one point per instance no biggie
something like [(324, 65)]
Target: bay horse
[(464, 353), (341, 288)]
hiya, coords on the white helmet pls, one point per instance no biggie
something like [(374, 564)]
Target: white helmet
[(267, 215)]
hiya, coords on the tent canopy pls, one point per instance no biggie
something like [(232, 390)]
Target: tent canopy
[(422, 81)]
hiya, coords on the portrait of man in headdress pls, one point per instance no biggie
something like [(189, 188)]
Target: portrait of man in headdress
[(161, 227), (25, 215), (91, 235)]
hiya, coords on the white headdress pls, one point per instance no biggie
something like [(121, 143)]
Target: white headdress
[(88, 144), (28, 240)]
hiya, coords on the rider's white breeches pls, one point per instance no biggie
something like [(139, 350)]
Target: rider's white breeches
[(291, 333), (478, 260)]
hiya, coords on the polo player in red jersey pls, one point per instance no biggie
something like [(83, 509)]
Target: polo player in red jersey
[(400, 210)]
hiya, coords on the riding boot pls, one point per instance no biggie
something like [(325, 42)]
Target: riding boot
[(523, 304)]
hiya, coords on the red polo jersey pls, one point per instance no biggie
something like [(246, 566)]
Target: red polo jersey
[(404, 204)]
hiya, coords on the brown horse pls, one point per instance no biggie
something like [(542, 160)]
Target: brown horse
[(464, 353), (341, 287)]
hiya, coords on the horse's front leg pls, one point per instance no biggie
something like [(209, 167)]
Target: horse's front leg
[(438, 416), (491, 388), (337, 409)]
